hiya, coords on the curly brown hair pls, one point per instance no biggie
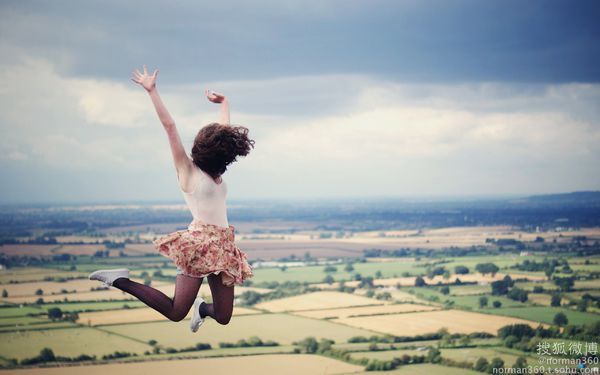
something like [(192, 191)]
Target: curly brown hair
[(216, 146)]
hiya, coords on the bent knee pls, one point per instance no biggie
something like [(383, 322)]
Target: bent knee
[(223, 319), (177, 317)]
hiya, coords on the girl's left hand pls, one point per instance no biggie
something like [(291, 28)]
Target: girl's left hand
[(214, 97)]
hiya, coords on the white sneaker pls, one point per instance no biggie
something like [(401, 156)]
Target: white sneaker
[(196, 321), (109, 276)]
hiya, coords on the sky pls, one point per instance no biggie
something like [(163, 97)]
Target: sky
[(344, 99)]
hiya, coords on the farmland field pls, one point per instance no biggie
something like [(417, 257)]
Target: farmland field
[(366, 310), (546, 314), (295, 299), (424, 369), (73, 342), (281, 328), (410, 324), (316, 300), (263, 364), (473, 354), (144, 314)]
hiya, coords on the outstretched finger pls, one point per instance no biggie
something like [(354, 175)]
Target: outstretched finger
[(145, 69), (155, 74), (136, 81), (137, 73)]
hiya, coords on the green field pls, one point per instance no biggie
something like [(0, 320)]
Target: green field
[(316, 274), (386, 355), (66, 342), (76, 306), (473, 354), (20, 320), (546, 314), (281, 328), (469, 301)]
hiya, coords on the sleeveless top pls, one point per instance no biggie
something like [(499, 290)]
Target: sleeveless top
[(206, 201)]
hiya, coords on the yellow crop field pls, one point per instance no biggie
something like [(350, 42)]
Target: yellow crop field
[(411, 324), (317, 300), (144, 314), (282, 328), (282, 364), (364, 311), (19, 249), (33, 274)]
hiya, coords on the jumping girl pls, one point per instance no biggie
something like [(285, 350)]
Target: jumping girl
[(206, 248)]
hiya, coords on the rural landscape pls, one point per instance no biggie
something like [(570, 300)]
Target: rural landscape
[(399, 287)]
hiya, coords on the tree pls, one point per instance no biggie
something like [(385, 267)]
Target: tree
[(538, 289), (497, 363), (481, 365), (4, 293), (328, 279), (325, 345), (518, 294), (555, 301), (39, 292), (378, 274), (419, 281), (485, 268), (582, 305), (520, 363), (461, 270), (330, 269), (54, 313), (366, 282), (500, 287), (565, 283), (434, 355), (309, 345), (46, 355), (445, 290), (497, 304), (250, 297), (483, 302), (349, 267), (518, 330), (560, 319)]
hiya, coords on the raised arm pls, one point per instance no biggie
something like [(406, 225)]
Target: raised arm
[(183, 164), (215, 97)]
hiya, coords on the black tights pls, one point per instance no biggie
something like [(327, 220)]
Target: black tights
[(186, 290)]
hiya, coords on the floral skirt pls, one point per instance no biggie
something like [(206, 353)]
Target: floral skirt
[(204, 249)]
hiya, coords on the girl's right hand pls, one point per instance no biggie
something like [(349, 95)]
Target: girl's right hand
[(147, 81)]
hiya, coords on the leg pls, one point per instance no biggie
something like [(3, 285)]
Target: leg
[(222, 306), (186, 290)]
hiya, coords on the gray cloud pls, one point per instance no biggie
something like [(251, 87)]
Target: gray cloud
[(378, 98)]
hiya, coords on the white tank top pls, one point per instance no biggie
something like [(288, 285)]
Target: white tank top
[(207, 199)]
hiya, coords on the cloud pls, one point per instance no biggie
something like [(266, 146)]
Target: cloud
[(318, 135)]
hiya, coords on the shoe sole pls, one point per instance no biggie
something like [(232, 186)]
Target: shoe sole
[(197, 326)]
